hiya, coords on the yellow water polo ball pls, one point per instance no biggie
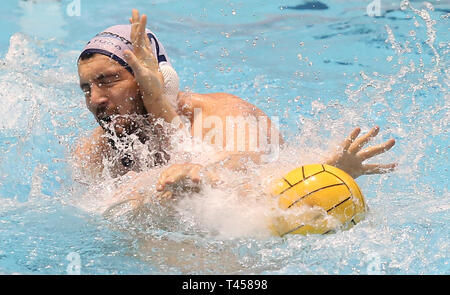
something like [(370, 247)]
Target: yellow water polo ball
[(316, 199)]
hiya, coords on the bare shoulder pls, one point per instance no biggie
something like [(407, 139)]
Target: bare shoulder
[(88, 153), (221, 103), (96, 136), (95, 143)]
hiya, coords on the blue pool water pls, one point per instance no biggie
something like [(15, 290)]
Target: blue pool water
[(321, 71)]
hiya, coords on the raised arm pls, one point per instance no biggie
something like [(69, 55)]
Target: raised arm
[(147, 73)]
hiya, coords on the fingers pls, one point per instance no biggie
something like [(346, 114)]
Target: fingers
[(166, 195), (138, 25), (134, 20), (379, 168), (144, 37), (134, 16), (133, 61), (173, 175), (194, 174), (213, 177), (144, 41), (349, 140), (176, 173), (166, 178), (142, 25), (375, 150), (360, 142), (140, 28), (141, 44)]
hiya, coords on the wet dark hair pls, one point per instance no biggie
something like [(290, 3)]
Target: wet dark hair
[(86, 55)]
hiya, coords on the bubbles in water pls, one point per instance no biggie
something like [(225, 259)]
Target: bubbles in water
[(404, 5)]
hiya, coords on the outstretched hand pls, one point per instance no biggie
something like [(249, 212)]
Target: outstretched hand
[(350, 156)]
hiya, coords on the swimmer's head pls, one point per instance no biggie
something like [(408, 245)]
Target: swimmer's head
[(108, 81), (111, 92), (113, 41)]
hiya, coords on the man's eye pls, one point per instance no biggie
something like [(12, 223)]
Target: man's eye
[(105, 83), (86, 90)]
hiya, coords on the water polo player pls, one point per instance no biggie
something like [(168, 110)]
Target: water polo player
[(129, 83), (122, 73)]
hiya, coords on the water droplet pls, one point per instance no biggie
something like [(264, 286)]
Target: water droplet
[(429, 6), (404, 5)]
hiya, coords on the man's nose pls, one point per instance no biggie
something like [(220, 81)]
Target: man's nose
[(97, 96)]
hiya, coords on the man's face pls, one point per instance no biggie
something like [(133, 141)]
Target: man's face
[(111, 92)]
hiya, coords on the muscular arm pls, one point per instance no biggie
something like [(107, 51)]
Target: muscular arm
[(230, 124), (238, 129)]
